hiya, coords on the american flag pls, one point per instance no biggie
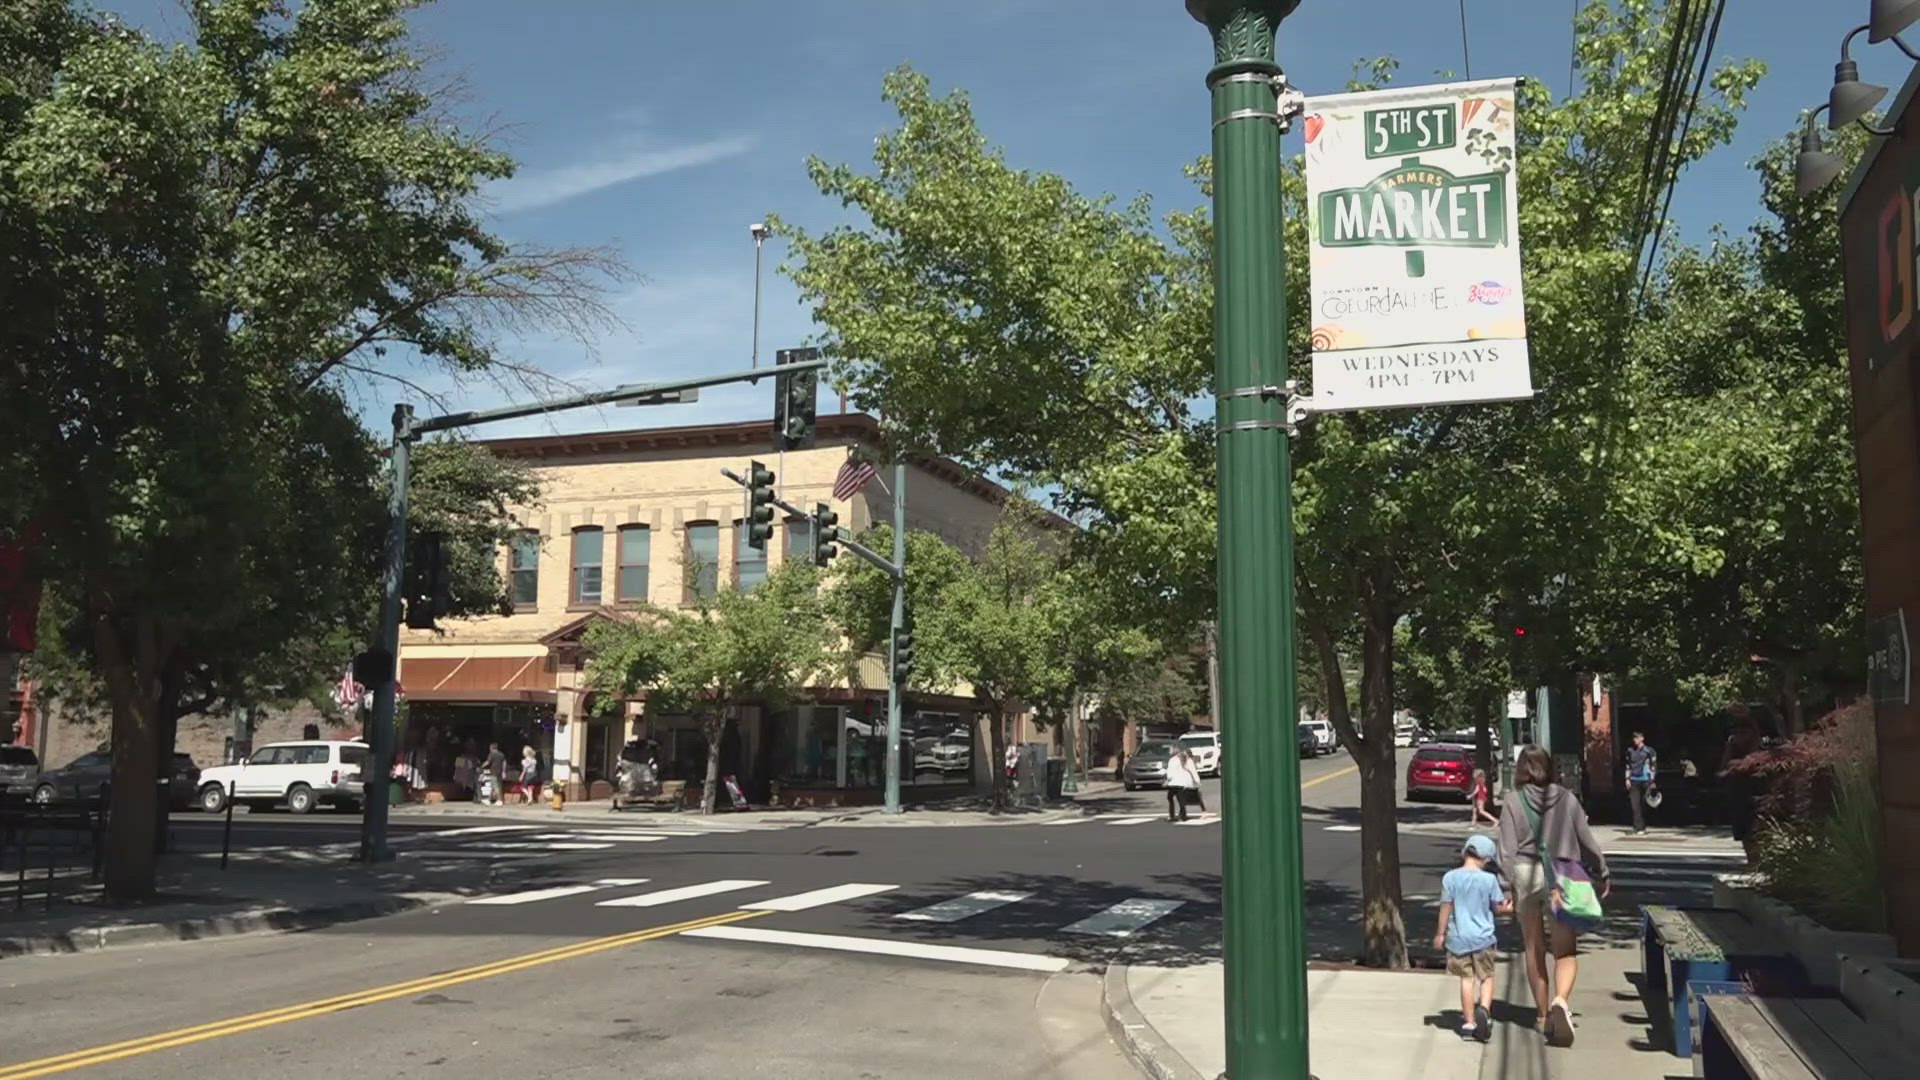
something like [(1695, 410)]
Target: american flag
[(349, 693), (853, 476)]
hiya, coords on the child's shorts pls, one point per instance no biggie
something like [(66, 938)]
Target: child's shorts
[(1473, 965)]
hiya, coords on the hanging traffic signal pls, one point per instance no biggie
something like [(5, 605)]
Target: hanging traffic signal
[(903, 650), (1519, 631), (428, 585), (825, 532), (759, 506), (794, 396)]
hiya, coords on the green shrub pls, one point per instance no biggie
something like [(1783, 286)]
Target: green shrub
[(1818, 845)]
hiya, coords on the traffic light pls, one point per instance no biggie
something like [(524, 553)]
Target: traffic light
[(903, 650), (825, 532), (794, 395), (428, 585), (759, 506)]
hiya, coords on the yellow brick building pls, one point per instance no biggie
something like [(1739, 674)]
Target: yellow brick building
[(646, 514)]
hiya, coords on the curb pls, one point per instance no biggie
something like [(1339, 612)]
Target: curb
[(1139, 1040), (89, 939)]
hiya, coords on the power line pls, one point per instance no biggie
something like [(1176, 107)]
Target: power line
[(1466, 53), (1686, 125)]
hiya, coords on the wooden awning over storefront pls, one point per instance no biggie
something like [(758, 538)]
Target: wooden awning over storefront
[(477, 678)]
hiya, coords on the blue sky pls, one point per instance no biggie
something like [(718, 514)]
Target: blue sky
[(666, 127)]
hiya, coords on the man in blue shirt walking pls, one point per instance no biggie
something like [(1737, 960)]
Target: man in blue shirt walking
[(1641, 762), (1469, 897)]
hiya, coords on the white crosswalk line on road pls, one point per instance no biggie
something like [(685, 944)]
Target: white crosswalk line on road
[(961, 907), (884, 947), (535, 895), (1343, 828), (685, 892), (1136, 820), (618, 838), (474, 830), (817, 897), (545, 845), (1124, 918), (1200, 819)]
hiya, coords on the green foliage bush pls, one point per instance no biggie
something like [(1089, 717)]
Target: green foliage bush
[(1818, 846)]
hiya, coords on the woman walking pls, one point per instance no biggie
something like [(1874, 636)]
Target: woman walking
[(1182, 777), (1543, 837)]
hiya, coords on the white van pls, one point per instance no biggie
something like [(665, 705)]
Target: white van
[(1324, 739), (300, 774)]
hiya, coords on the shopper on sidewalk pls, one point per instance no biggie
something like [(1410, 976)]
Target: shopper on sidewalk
[(1182, 778), (1641, 764), (1469, 898), (1542, 824)]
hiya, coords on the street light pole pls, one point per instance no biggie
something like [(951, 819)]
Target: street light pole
[(1262, 893)]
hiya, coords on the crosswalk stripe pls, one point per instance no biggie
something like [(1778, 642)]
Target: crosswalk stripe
[(618, 838), (1135, 820), (1124, 918), (534, 895), (476, 830), (961, 907), (545, 845), (1343, 828), (884, 947), (620, 882), (817, 897), (1200, 819), (1069, 821), (685, 892)]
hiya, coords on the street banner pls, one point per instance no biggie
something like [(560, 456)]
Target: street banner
[(1414, 248)]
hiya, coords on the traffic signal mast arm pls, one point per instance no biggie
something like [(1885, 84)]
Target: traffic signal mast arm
[(886, 566), (603, 397)]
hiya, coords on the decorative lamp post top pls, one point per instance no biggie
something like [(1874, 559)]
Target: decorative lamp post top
[(1212, 12)]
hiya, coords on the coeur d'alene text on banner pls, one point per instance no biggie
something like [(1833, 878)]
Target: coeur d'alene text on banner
[(1414, 248)]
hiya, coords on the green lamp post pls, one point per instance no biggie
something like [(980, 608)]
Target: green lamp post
[(1262, 894)]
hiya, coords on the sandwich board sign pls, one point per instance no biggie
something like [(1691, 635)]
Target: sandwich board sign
[(1414, 248)]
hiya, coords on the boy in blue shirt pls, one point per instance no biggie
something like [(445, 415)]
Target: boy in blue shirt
[(1469, 897)]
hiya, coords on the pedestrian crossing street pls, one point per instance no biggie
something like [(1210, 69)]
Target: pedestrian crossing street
[(1122, 919)]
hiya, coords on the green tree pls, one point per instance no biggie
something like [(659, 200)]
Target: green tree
[(206, 243), (762, 646), (1025, 327)]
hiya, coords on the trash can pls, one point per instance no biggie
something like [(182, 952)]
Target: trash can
[(1056, 776)]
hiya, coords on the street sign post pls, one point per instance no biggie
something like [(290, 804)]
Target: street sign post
[(1413, 236)]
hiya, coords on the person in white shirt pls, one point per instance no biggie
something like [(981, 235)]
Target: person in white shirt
[(1182, 777)]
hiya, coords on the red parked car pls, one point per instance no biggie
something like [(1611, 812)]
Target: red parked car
[(1439, 769)]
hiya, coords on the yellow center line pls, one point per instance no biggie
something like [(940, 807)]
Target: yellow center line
[(100, 1055), (1303, 786)]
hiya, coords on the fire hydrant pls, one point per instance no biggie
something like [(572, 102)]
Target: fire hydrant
[(556, 797)]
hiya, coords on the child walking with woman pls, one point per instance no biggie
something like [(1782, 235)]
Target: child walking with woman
[(1470, 896)]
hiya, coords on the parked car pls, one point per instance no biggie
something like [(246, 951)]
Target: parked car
[(1148, 766), (1324, 739), (82, 779), (1205, 748), (19, 768), (1309, 742), (954, 752), (301, 774), (1405, 732), (1439, 769), (86, 776)]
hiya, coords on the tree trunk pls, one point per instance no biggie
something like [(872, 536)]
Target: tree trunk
[(1384, 932), (714, 731), (130, 675), (997, 742)]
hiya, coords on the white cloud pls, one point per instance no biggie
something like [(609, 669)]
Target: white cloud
[(546, 187)]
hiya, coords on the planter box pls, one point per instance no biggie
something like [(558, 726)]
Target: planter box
[(1817, 948), (1885, 991)]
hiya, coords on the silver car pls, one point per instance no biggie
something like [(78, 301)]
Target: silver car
[(19, 768), (1148, 766)]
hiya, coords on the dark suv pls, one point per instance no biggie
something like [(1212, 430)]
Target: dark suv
[(86, 776)]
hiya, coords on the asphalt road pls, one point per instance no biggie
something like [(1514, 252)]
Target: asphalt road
[(650, 949)]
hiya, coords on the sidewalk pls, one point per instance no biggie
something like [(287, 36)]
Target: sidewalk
[(196, 899), (1393, 1025)]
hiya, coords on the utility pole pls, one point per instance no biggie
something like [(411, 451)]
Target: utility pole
[(376, 789), (895, 691), (1262, 894)]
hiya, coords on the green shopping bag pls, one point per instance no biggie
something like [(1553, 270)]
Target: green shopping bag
[(1579, 902)]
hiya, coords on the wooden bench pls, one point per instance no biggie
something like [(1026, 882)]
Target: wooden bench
[(670, 795), (1684, 945), (1792, 1038)]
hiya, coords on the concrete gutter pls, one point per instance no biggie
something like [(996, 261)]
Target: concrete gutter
[(1139, 1040), (260, 920)]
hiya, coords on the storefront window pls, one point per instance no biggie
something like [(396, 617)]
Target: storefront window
[(805, 746)]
